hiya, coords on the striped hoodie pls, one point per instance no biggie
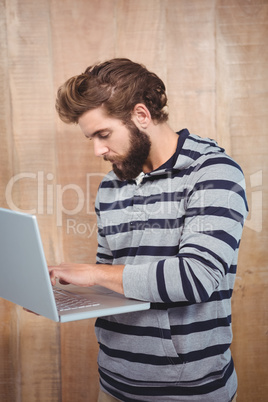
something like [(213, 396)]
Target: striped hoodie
[(177, 231)]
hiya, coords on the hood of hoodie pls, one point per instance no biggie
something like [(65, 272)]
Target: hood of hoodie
[(190, 148)]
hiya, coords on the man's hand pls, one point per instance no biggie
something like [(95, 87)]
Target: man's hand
[(109, 276), (77, 274)]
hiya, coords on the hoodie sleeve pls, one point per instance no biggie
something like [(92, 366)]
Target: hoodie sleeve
[(215, 210)]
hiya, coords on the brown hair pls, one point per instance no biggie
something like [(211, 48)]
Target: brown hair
[(118, 85)]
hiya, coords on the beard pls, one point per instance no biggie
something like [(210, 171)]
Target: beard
[(132, 163)]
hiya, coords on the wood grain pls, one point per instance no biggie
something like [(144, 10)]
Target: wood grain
[(212, 55), (9, 372), (242, 33), (31, 138), (191, 65)]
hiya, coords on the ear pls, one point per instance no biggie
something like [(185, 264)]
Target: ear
[(141, 116)]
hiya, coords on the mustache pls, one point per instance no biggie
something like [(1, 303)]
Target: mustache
[(113, 160)]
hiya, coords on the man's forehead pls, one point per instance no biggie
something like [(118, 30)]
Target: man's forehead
[(96, 121)]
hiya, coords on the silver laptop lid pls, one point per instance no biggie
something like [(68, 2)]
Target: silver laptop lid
[(24, 277)]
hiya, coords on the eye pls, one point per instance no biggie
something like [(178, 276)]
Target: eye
[(104, 135), (101, 135)]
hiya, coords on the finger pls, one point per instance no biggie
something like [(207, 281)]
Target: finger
[(51, 267), (53, 277)]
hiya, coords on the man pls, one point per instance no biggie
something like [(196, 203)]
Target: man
[(170, 218)]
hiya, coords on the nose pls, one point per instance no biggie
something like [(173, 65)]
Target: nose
[(100, 149)]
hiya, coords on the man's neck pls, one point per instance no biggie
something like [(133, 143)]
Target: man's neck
[(164, 143)]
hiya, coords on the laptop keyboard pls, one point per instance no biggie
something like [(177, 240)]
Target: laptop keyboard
[(70, 301)]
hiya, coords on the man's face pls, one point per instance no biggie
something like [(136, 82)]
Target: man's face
[(124, 145)]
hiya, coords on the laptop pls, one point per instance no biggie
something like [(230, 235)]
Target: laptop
[(24, 277)]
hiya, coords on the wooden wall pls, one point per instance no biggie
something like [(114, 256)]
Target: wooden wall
[(213, 56)]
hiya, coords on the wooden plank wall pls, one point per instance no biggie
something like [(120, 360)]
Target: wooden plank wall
[(212, 54)]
